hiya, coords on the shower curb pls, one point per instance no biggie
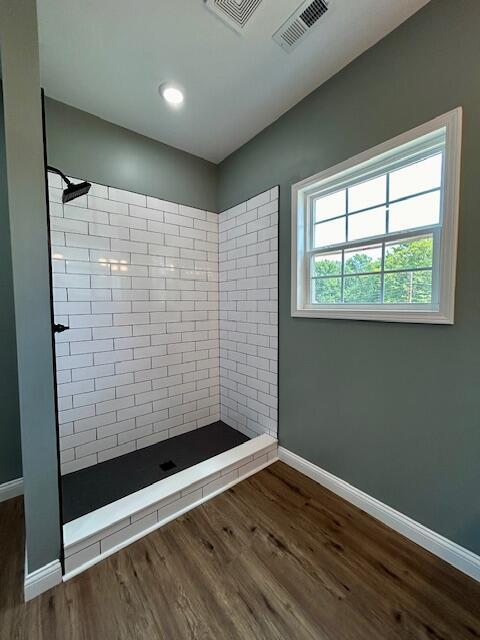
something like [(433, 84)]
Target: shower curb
[(150, 508)]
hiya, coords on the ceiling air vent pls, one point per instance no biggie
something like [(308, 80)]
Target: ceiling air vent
[(299, 24), (236, 13)]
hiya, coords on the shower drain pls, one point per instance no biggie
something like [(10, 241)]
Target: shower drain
[(167, 466)]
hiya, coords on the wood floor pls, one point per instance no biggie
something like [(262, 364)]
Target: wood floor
[(277, 557)]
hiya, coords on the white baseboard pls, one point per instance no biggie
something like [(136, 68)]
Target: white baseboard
[(42, 579), (11, 489), (457, 556)]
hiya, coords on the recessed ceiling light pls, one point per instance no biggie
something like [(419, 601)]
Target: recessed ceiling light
[(171, 94)]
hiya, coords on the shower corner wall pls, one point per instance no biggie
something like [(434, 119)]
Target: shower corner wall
[(248, 285), (158, 342)]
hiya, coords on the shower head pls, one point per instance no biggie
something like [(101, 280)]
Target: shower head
[(72, 190), (75, 191)]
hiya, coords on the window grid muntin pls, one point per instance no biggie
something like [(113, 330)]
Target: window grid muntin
[(417, 234), (387, 221), (434, 230), (347, 204), (396, 161), (387, 203), (402, 159)]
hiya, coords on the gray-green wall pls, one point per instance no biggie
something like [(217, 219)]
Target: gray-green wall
[(30, 265), (10, 453), (394, 409), (85, 146)]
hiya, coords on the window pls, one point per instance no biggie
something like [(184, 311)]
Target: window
[(375, 237)]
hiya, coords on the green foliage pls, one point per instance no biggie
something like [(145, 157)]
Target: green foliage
[(412, 254), (363, 289), (362, 263), (403, 287)]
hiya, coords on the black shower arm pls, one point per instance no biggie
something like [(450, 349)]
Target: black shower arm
[(60, 173)]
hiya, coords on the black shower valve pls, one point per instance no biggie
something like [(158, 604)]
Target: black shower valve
[(60, 328)]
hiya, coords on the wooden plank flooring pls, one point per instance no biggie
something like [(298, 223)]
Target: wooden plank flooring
[(276, 557)]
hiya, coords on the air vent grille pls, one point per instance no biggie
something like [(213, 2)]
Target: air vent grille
[(299, 24), (236, 13), (314, 12), (293, 32)]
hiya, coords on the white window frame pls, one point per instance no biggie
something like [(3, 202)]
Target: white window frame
[(441, 311)]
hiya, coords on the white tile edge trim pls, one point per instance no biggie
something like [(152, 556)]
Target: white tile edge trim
[(42, 579), (462, 559), (11, 489), (161, 523), (100, 519)]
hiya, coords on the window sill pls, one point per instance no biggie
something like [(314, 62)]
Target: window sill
[(375, 315)]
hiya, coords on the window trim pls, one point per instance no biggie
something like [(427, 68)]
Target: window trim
[(447, 255)]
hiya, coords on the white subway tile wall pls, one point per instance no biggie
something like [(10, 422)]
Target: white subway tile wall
[(136, 280), (248, 275)]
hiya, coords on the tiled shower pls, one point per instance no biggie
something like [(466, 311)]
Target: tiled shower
[(172, 316), (248, 265)]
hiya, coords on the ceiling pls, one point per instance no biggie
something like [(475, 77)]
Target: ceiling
[(108, 57)]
